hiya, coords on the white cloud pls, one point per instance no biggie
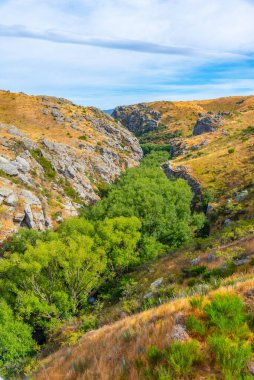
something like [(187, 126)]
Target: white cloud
[(107, 77)]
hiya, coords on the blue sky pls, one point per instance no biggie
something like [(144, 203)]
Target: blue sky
[(113, 52)]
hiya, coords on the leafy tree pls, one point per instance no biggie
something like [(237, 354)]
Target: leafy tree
[(120, 236), (51, 281), (16, 342), (74, 226), (162, 206)]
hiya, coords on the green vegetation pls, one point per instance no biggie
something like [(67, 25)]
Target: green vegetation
[(226, 313), (16, 343), (196, 326), (46, 278), (46, 164), (150, 147), (182, 356), (232, 356)]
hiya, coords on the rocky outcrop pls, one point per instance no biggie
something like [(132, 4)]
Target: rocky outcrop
[(180, 171), (56, 158), (208, 123), (138, 118)]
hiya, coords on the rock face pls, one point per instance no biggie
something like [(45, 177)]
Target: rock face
[(182, 172), (54, 157), (208, 123), (138, 118)]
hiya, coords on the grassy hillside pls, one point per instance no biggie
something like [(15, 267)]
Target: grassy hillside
[(222, 160), (138, 347)]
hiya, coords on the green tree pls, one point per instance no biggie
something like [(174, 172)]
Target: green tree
[(163, 207), (51, 281), (16, 343), (120, 236)]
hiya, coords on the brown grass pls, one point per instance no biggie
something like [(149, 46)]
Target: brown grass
[(112, 350)]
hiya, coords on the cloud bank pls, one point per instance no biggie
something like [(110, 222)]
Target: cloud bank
[(111, 52), (20, 31)]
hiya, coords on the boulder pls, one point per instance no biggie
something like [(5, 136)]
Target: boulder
[(7, 167), (157, 283), (207, 123), (242, 195)]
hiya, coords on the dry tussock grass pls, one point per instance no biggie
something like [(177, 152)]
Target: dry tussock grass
[(112, 350)]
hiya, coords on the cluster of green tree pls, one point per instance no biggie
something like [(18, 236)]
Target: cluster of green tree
[(151, 147), (47, 277)]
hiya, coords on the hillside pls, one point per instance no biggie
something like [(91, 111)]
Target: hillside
[(54, 157), (154, 278), (122, 350), (212, 139)]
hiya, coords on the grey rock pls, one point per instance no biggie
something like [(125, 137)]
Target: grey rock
[(242, 195), (179, 334), (19, 217), (21, 164), (5, 191), (29, 220), (211, 257), (7, 167), (157, 283), (227, 222), (148, 295), (196, 261), (242, 261), (207, 123), (59, 218), (15, 131), (11, 200), (29, 198), (137, 119), (182, 172)]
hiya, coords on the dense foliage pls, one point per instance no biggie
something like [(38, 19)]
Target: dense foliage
[(47, 277)]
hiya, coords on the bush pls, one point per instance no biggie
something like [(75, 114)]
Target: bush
[(46, 164), (197, 302), (231, 150), (154, 355), (193, 271), (226, 313), (195, 326), (16, 343), (182, 356), (164, 374), (231, 356)]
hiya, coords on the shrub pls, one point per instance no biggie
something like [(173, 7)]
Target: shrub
[(194, 271), (16, 343), (46, 164), (231, 150), (197, 302), (182, 356), (196, 326), (164, 374), (154, 355), (89, 322), (220, 272), (83, 137), (192, 282), (226, 313), (231, 356)]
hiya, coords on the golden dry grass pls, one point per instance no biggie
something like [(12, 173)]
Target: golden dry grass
[(113, 349)]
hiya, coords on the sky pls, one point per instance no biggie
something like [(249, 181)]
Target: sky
[(106, 53)]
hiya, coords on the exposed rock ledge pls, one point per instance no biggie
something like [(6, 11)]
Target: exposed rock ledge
[(180, 171)]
